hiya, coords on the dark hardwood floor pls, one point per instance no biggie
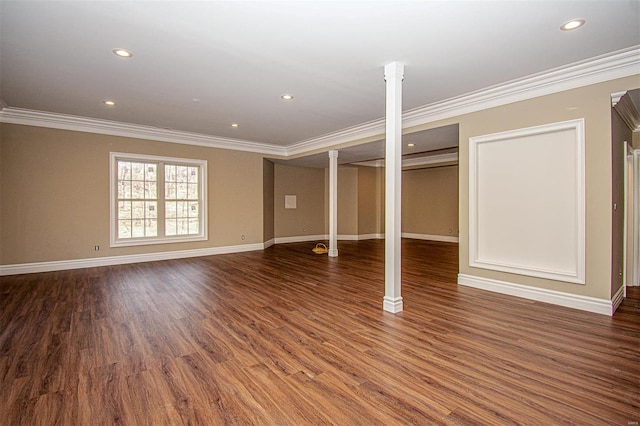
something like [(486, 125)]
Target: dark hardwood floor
[(287, 337)]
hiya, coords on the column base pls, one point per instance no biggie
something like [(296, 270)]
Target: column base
[(393, 305), (333, 252)]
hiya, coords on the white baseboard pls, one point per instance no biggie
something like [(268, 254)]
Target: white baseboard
[(444, 238), (393, 305), (61, 265), (350, 237), (617, 299), (269, 243), (300, 239), (584, 303), (347, 237), (370, 237), (325, 237)]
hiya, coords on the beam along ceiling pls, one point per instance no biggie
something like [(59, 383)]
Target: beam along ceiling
[(201, 66), (425, 143)]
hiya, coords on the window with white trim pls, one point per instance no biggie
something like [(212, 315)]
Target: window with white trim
[(157, 200)]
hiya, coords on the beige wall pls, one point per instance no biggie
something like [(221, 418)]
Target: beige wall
[(593, 103), (308, 184), (268, 188), (347, 200), (635, 140), (54, 203), (430, 201), (358, 200), (370, 200)]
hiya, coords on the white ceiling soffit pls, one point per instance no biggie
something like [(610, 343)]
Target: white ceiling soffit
[(419, 162), (619, 64), (423, 143)]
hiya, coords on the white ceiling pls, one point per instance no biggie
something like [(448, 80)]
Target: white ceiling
[(237, 57)]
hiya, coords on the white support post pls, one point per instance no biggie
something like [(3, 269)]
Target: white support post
[(393, 75), (333, 203)]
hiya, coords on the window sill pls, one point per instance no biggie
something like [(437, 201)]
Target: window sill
[(161, 240)]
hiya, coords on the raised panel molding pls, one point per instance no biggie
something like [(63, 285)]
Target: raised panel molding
[(528, 217)]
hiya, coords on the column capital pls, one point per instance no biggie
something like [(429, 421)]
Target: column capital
[(333, 153), (393, 70)]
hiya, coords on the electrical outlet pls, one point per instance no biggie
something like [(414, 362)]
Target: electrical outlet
[(304, 229), (96, 248), (243, 237)]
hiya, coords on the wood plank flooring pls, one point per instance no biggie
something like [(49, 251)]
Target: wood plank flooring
[(287, 337)]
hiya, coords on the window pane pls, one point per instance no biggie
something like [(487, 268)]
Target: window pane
[(151, 227), (194, 225), (152, 209), (150, 190), (183, 209), (137, 171), (150, 172), (137, 190), (193, 174), (170, 191), (124, 229), (170, 209), (124, 210), (181, 193), (124, 189), (193, 191), (170, 227), (194, 209), (137, 229), (169, 173), (182, 227), (124, 170), (182, 173), (137, 209)]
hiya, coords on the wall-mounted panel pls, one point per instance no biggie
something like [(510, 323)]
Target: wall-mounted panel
[(527, 201)]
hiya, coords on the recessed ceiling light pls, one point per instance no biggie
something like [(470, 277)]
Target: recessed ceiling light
[(109, 103), (235, 125), (287, 97), (123, 53), (572, 24), (411, 145)]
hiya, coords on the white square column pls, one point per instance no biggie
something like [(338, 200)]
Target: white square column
[(333, 203), (393, 75)]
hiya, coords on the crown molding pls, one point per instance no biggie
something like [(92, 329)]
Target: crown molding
[(619, 64), (113, 128), (627, 110), (615, 97)]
